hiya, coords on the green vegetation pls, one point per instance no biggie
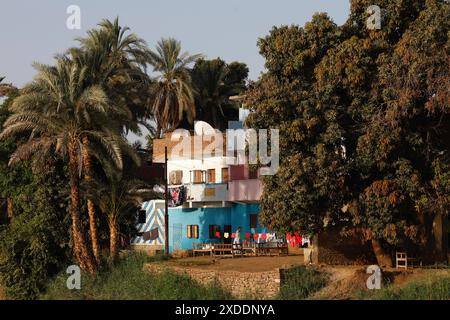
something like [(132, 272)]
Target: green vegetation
[(63, 138), (127, 280), (429, 287), (364, 123), (301, 282)]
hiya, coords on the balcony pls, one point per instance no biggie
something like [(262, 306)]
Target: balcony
[(207, 192), (245, 190)]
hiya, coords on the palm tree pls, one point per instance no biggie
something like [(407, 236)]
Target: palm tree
[(5, 88), (117, 199), (214, 83), (58, 110), (172, 95), (114, 61)]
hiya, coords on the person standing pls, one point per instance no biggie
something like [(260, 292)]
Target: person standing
[(237, 236)]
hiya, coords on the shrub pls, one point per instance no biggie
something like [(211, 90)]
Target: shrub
[(300, 282), (31, 252), (429, 287), (127, 280)]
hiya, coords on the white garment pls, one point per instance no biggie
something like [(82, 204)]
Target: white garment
[(237, 237)]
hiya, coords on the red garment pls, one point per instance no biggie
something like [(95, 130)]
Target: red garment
[(233, 236), (255, 236), (298, 239), (247, 236), (263, 236), (218, 234)]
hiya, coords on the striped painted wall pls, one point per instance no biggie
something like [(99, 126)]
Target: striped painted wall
[(154, 212)]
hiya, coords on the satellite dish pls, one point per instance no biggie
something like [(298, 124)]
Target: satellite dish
[(202, 128), (178, 133)]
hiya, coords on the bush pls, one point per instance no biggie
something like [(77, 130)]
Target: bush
[(35, 246), (127, 280), (30, 254), (300, 282), (430, 287)]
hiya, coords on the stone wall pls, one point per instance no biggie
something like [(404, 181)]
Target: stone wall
[(151, 250), (242, 285)]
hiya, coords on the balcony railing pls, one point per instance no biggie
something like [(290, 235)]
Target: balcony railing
[(245, 190), (207, 192)]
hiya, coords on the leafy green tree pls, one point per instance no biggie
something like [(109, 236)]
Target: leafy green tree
[(172, 96), (363, 119), (35, 246), (34, 243)]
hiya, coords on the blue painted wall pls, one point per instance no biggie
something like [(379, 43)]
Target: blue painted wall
[(238, 215)]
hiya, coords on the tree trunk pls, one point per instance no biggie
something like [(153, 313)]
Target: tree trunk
[(87, 161), (113, 239), (81, 249), (10, 208), (383, 257)]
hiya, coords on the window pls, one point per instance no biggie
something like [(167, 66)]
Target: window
[(213, 229), (211, 175), (176, 177), (224, 175), (142, 216), (253, 221), (192, 231), (198, 176)]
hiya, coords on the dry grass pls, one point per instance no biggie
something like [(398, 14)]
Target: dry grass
[(349, 282)]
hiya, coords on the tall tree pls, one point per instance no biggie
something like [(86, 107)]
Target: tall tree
[(363, 116), (172, 95), (57, 110), (114, 60), (214, 82)]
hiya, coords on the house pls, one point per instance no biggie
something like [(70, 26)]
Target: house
[(212, 191)]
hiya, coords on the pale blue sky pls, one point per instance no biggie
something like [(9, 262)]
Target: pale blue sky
[(229, 29), (36, 30)]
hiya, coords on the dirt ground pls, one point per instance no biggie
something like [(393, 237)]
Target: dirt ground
[(245, 264), (346, 280), (2, 294)]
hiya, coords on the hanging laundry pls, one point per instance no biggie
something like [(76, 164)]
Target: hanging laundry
[(177, 196), (217, 234), (226, 235), (247, 236), (151, 235), (298, 239), (264, 236), (233, 235)]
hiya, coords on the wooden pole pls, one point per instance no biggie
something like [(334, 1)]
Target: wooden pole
[(166, 205)]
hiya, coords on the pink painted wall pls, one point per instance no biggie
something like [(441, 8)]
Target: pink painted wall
[(244, 190)]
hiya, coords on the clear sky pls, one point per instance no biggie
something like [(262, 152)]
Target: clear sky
[(229, 29), (36, 30)]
